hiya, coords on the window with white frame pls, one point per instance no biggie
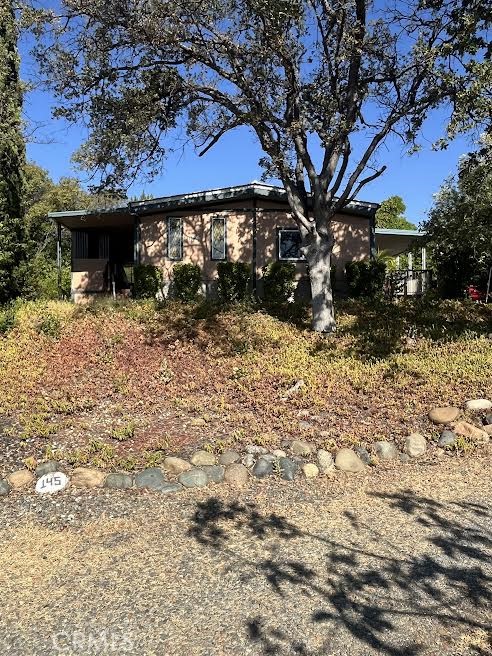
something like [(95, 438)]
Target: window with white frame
[(175, 237), (218, 237), (289, 244)]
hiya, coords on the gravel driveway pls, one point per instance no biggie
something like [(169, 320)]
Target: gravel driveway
[(395, 562)]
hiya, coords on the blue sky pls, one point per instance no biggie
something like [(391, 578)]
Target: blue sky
[(234, 160)]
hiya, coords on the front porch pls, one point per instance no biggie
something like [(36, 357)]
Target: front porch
[(411, 276)]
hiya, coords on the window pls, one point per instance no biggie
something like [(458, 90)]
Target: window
[(289, 244), (90, 244), (218, 238), (175, 238)]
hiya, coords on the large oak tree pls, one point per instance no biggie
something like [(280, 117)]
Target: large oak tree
[(336, 77)]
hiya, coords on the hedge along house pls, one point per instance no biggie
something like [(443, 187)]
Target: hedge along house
[(249, 223)]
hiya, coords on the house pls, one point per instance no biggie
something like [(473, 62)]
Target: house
[(248, 223)]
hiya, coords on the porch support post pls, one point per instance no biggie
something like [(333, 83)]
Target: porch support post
[(398, 262), (424, 257), (410, 262), (59, 258)]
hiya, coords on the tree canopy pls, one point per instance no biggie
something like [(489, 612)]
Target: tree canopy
[(391, 214), (308, 77)]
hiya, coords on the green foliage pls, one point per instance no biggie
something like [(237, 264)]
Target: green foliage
[(278, 281), (391, 215), (12, 155), (366, 278), (459, 227), (234, 280), (147, 281), (187, 280)]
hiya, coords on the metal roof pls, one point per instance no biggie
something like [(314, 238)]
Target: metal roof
[(398, 233)]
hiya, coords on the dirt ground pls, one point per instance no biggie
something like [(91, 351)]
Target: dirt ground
[(394, 562)]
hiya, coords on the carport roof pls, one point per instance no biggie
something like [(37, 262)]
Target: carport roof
[(395, 242)]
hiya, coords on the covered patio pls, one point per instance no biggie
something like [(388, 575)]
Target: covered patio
[(410, 278)]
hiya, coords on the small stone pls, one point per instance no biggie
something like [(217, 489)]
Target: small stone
[(151, 478), (263, 468), (248, 460), (347, 460), (236, 475), (215, 473), (118, 481), (229, 457), (325, 461), (386, 450), (310, 470), (444, 415), (279, 453), (404, 457), (488, 419), (363, 454), (305, 425), (201, 458), (447, 438), (301, 448), (169, 488), (51, 482), (255, 449), (288, 468), (47, 467), (198, 421), (415, 445), (21, 478), (4, 487), (193, 478), (84, 477), (269, 456), (175, 465), (469, 430), (478, 405)]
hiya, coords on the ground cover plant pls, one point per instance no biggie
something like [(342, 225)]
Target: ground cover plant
[(123, 384)]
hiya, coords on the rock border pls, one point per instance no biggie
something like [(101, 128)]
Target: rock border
[(233, 468)]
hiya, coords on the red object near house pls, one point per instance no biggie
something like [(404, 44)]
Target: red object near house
[(474, 293)]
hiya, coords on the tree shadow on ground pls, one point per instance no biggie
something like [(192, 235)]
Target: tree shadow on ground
[(367, 592)]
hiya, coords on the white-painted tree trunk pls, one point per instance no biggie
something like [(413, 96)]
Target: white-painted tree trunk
[(318, 256)]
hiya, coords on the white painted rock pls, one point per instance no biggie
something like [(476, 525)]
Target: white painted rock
[(51, 483), (478, 405)]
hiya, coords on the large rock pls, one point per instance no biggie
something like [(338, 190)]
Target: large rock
[(347, 460), (256, 449), (386, 450), (469, 430), (151, 478), (4, 487), (236, 475), (201, 458), (279, 453), (444, 415), (85, 477), (325, 461), (478, 405), (215, 473), (301, 448), (47, 467), (263, 468), (118, 481), (363, 454), (288, 468), (310, 470), (21, 478), (169, 488), (51, 483), (248, 460), (175, 465), (193, 478), (229, 457), (447, 438), (415, 445)]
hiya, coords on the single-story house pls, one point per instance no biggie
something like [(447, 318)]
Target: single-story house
[(248, 223)]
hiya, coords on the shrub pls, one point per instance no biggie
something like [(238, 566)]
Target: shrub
[(278, 281), (187, 281), (365, 278), (234, 281), (147, 281)]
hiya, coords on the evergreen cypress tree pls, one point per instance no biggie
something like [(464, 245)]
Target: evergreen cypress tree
[(12, 157)]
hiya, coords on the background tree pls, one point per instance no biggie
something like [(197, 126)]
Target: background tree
[(308, 77), (391, 214), (12, 154), (459, 226)]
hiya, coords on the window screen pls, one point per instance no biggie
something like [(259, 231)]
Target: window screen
[(289, 245), (175, 238), (218, 238)]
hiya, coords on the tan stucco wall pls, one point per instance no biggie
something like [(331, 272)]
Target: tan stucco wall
[(88, 275), (352, 237)]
